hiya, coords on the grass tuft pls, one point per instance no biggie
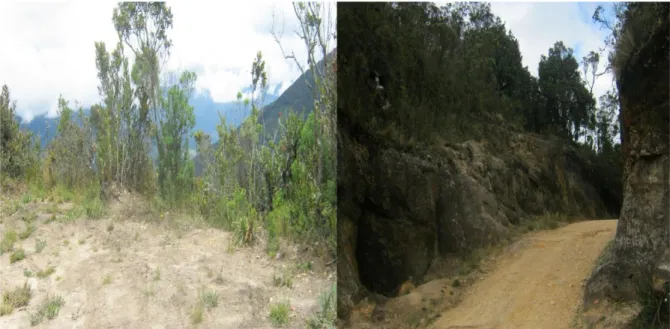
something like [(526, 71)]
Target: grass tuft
[(8, 239), (49, 309), (209, 299), (46, 272), (197, 314), (327, 314), (279, 314), (40, 245), (13, 299), (28, 232), (16, 256)]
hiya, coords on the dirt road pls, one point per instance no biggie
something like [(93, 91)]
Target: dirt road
[(536, 283)]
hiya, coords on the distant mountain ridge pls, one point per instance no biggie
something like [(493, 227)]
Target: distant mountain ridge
[(298, 97), (206, 112)]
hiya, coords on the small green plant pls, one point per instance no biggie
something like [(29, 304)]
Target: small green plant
[(456, 283), (283, 280), (209, 299), (27, 273), (197, 314), (35, 319), (82, 241), (16, 256), (28, 232), (94, 207), (63, 194), (46, 272), (74, 213), (27, 198), (40, 245), (12, 208), (327, 314), (17, 297), (8, 239), (307, 266), (53, 209), (29, 217), (279, 314), (107, 280), (6, 309), (49, 309), (149, 291), (157, 274), (51, 306)]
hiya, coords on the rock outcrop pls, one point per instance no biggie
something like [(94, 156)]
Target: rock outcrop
[(641, 252), (400, 210)]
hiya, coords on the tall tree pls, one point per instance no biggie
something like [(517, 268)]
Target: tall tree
[(568, 104)]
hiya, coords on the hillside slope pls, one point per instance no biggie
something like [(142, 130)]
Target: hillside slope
[(401, 211), (130, 269)]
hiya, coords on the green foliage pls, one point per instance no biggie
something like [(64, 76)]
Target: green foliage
[(70, 155), (326, 316), (9, 237), (17, 255), (568, 106), (465, 71), (17, 297), (284, 182), (279, 314), (437, 66), (49, 309), (418, 74), (175, 169), (92, 204), (20, 158)]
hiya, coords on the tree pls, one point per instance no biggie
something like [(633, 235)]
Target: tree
[(70, 158), (175, 169), (17, 156), (569, 105)]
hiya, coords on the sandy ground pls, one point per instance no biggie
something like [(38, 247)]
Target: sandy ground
[(122, 273), (537, 283)]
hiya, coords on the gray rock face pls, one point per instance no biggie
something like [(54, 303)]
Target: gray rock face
[(398, 211), (641, 252)]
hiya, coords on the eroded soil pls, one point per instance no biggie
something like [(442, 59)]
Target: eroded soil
[(119, 272)]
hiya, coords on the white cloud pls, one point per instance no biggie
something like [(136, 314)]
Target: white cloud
[(48, 48), (537, 26)]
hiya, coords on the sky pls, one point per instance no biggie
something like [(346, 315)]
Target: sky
[(48, 48), (538, 25), (53, 51)]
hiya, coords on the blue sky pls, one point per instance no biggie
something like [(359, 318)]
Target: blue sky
[(538, 25), (51, 47)]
